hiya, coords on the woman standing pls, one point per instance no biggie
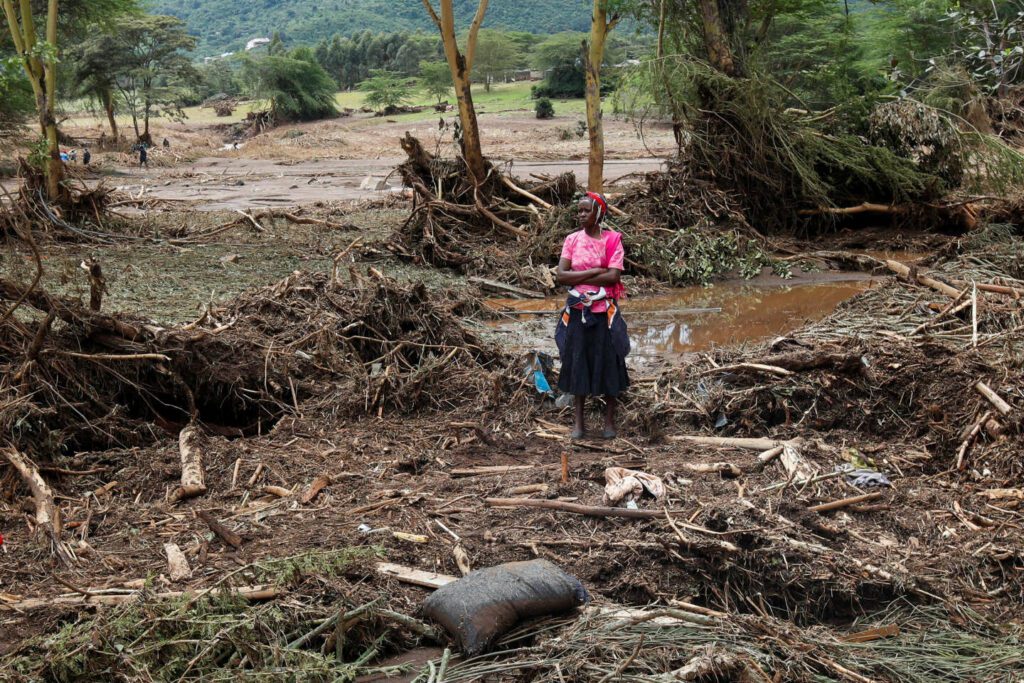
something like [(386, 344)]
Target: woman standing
[(594, 348)]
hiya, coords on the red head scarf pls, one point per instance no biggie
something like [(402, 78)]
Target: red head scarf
[(601, 203)]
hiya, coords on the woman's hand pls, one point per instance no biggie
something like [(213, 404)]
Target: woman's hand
[(565, 275), (606, 278)]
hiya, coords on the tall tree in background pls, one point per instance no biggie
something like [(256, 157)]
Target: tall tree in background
[(461, 66), (601, 25), (94, 77), (297, 89), (39, 59), (436, 79), (495, 54), (151, 68)]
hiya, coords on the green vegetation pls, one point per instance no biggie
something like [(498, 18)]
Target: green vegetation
[(144, 61), (436, 79), (544, 109), (385, 91), (295, 88), (223, 25), (206, 638)]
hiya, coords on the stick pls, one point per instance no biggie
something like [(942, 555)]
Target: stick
[(971, 436), (319, 484), (769, 455), (725, 546), (515, 188), (565, 467), (110, 356), (726, 469), (490, 470), (771, 369), (193, 479), (529, 488), (837, 504), (47, 514), (730, 442), (252, 220), (224, 533), (993, 398), (974, 314), (278, 491), (415, 577), (575, 508), (251, 593), (904, 271)]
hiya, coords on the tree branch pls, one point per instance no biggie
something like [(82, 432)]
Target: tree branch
[(474, 29), (432, 13)]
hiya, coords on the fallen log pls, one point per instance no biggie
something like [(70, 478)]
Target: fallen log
[(47, 517), (225, 534), (575, 508), (193, 479)]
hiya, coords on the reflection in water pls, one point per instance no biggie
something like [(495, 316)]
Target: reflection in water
[(698, 318)]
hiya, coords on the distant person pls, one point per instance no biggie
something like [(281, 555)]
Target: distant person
[(64, 157), (143, 156), (74, 156), (167, 143), (86, 156)]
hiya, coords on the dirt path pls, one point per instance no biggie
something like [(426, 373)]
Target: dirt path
[(217, 183)]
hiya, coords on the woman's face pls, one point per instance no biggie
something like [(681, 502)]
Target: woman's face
[(587, 215)]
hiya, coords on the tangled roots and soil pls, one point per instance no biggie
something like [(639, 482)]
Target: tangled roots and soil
[(76, 379)]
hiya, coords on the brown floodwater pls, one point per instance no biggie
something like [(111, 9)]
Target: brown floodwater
[(695, 319)]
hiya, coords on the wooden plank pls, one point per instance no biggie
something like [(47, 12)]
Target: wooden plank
[(415, 577)]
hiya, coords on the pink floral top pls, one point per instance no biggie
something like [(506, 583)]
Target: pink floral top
[(584, 252)]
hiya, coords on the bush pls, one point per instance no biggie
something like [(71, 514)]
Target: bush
[(544, 109)]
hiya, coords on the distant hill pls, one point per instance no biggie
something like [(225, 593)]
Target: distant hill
[(226, 25)]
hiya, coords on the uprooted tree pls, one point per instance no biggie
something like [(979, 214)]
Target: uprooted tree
[(461, 66), (39, 59), (785, 163)]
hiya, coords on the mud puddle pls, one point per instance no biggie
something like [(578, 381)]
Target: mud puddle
[(694, 319)]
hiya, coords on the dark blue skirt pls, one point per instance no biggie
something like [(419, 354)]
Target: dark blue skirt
[(590, 364)]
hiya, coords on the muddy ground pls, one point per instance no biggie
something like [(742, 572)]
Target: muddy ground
[(836, 368)]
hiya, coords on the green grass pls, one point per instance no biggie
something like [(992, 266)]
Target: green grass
[(503, 97)]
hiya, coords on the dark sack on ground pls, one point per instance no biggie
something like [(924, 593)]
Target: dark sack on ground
[(486, 603)]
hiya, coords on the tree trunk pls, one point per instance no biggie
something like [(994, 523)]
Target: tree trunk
[(108, 105), (43, 77), (594, 56), (55, 169), (716, 38), (461, 67)]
